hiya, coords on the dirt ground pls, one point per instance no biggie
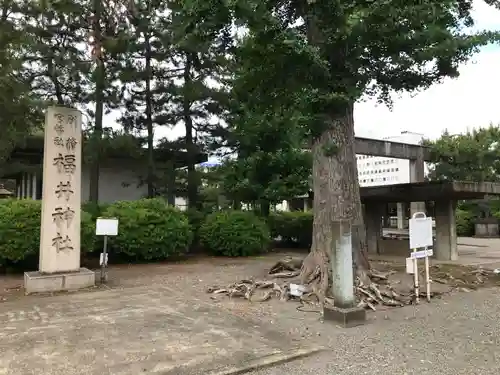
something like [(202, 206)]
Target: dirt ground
[(193, 276), (138, 298)]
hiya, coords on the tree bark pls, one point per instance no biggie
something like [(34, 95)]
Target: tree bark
[(192, 181), (149, 116), (99, 104), (336, 197), (265, 208)]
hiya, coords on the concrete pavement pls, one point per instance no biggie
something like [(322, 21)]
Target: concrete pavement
[(150, 330)]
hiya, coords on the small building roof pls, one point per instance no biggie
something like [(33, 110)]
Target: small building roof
[(31, 152), (429, 191)]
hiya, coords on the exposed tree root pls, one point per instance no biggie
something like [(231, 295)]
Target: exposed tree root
[(372, 288)]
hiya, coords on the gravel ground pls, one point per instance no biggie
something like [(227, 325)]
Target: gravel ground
[(458, 334)]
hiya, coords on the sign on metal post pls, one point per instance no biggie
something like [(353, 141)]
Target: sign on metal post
[(105, 227), (420, 231), (420, 238)]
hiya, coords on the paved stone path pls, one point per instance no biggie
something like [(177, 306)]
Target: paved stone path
[(151, 330)]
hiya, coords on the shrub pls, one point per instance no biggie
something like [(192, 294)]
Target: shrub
[(149, 229), (234, 233), (292, 228), (196, 219), (464, 222), (87, 233), (20, 231), (95, 210)]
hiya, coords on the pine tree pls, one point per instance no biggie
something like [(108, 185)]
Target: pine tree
[(108, 30), (198, 61), (56, 55), (21, 108), (143, 73)]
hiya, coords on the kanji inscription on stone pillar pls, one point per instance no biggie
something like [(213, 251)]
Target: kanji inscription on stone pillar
[(61, 197)]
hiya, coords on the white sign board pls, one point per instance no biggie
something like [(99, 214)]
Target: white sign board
[(410, 266), (106, 227), (420, 232), (421, 254)]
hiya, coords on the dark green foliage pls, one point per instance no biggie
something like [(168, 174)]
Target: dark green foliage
[(59, 66), (267, 176), (472, 156), (307, 62), (20, 108), (302, 65), (87, 237), (234, 233), (20, 231), (94, 210), (149, 229), (465, 223), (196, 219), (292, 229)]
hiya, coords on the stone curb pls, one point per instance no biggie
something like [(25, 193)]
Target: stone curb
[(272, 360)]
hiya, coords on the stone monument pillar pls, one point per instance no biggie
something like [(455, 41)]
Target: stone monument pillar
[(59, 267)]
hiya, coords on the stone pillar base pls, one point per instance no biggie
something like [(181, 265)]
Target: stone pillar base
[(346, 317), (36, 282)]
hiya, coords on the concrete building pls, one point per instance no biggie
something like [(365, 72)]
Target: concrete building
[(377, 170), (374, 169), (121, 177), (444, 195)]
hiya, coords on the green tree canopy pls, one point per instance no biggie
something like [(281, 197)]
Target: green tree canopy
[(472, 156), (319, 57)]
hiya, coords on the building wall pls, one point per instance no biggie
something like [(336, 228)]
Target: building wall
[(117, 181), (115, 184)]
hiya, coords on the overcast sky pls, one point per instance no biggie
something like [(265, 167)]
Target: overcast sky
[(467, 102)]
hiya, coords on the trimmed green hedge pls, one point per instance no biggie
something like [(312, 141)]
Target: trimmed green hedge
[(149, 229), (20, 232), (234, 233), (292, 229)]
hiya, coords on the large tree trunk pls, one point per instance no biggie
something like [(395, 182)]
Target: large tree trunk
[(336, 197)]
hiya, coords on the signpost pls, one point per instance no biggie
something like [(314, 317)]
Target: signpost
[(105, 227), (420, 238)]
